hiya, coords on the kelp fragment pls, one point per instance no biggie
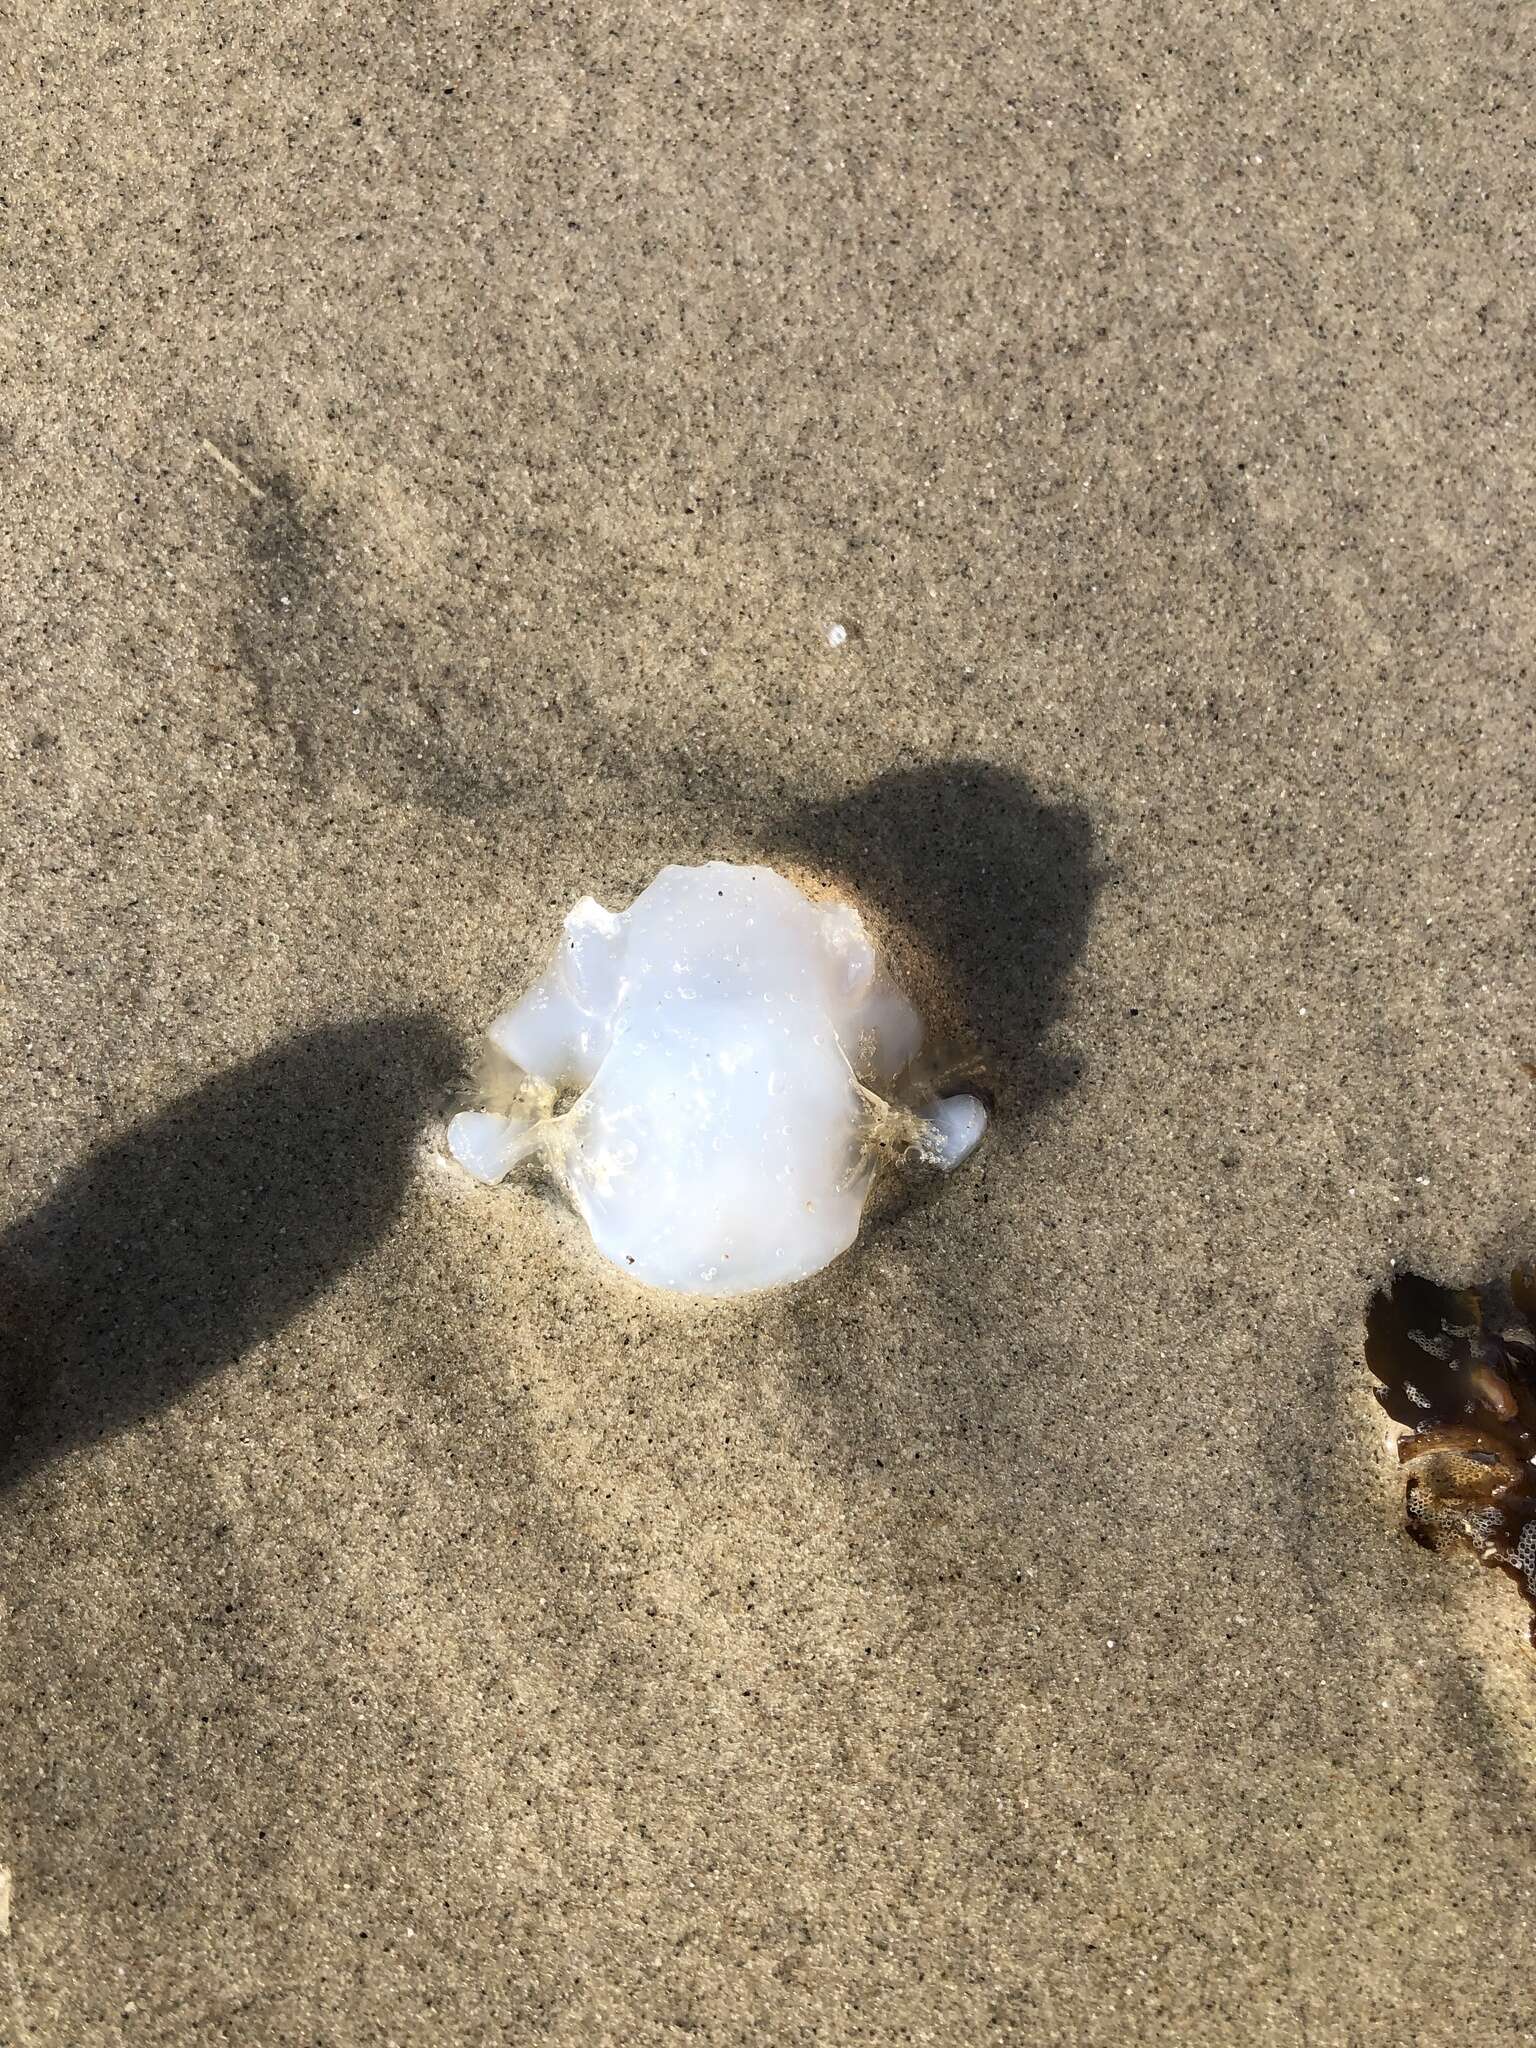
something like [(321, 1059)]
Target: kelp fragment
[(1458, 1367)]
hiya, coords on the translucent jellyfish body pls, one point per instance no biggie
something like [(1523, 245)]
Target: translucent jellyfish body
[(737, 1054)]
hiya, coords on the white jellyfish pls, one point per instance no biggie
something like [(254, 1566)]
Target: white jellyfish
[(733, 1050)]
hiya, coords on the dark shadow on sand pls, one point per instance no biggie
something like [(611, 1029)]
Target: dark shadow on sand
[(171, 1251), (997, 885)]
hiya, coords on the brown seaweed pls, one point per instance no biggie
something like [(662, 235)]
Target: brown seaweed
[(1458, 1367)]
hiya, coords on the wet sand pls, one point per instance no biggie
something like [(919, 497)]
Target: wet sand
[(434, 446)]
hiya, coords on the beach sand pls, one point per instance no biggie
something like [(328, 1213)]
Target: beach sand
[(435, 443)]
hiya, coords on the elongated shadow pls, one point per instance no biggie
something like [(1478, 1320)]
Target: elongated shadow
[(171, 1251)]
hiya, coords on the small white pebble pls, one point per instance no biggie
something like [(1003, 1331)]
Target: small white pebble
[(836, 635)]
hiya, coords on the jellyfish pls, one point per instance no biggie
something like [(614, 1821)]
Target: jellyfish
[(713, 1076)]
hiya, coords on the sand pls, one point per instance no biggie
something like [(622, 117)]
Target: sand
[(435, 443)]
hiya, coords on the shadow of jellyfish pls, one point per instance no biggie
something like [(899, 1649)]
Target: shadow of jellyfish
[(996, 887)]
